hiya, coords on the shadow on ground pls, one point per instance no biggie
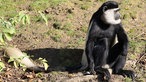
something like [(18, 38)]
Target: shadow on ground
[(58, 58)]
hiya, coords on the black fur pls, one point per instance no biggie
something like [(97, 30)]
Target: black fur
[(100, 48)]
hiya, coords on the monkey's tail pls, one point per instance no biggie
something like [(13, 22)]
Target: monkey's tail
[(23, 59)]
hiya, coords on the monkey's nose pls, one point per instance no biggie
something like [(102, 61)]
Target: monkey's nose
[(117, 16)]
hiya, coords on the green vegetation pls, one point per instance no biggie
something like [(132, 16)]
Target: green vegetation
[(2, 66), (64, 24), (43, 62), (44, 4), (55, 34), (86, 5), (8, 27), (44, 18), (16, 61), (128, 80), (8, 30)]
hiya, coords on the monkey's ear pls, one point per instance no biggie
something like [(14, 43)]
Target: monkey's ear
[(104, 8)]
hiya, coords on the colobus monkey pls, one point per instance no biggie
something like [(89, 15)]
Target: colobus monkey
[(101, 53)]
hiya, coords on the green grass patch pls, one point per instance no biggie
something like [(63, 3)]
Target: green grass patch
[(137, 47), (39, 5), (86, 5), (70, 16), (55, 34), (84, 29), (56, 2), (67, 26), (8, 8)]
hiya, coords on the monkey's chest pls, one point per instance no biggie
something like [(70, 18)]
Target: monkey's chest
[(109, 33), (102, 36)]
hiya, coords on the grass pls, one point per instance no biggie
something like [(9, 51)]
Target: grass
[(84, 29), (126, 6), (56, 2), (8, 6), (85, 5), (70, 16), (44, 4), (59, 28), (67, 26), (55, 34)]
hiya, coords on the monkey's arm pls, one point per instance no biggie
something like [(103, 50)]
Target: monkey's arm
[(123, 40), (89, 51)]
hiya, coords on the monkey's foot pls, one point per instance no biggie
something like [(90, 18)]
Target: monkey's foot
[(89, 73)]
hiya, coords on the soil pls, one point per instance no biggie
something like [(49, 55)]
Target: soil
[(67, 51)]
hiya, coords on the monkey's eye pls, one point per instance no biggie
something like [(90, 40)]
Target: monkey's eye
[(105, 8)]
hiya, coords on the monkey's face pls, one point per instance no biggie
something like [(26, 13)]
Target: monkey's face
[(111, 16), (116, 14)]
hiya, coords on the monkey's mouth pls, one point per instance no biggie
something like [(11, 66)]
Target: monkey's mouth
[(117, 14)]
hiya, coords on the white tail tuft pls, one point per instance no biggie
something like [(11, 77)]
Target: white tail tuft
[(16, 53)]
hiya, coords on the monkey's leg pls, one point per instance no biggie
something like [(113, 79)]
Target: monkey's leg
[(117, 61)]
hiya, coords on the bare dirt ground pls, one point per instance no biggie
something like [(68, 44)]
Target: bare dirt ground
[(40, 40)]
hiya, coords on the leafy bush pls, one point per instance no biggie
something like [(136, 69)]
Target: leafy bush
[(2, 66), (7, 27), (7, 30)]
